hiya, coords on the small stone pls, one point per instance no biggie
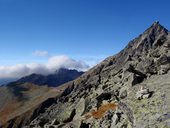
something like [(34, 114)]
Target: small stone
[(123, 93), (139, 95), (55, 122), (115, 120), (50, 126), (143, 94), (146, 96), (105, 102), (144, 91)]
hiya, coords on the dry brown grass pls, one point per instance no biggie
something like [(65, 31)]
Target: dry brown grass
[(16, 109), (101, 111), (8, 109)]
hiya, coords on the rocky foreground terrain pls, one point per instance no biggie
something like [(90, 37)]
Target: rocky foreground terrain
[(127, 90)]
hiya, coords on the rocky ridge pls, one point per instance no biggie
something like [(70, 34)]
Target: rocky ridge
[(106, 95)]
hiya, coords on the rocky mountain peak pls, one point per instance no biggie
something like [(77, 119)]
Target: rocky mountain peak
[(156, 29), (153, 37)]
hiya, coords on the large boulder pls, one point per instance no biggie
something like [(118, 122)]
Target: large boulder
[(80, 108), (65, 114)]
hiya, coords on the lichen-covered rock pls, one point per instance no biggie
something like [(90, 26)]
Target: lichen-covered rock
[(80, 108)]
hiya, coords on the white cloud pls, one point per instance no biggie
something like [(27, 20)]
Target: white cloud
[(56, 62), (41, 53), (53, 63)]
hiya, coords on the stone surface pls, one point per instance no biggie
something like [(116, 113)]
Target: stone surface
[(115, 120), (123, 93), (143, 94), (55, 122), (80, 108)]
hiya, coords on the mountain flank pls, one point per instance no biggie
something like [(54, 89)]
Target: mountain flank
[(26, 95)]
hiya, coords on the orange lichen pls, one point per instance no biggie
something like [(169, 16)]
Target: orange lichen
[(101, 111)]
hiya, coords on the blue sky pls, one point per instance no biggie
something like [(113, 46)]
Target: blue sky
[(88, 30)]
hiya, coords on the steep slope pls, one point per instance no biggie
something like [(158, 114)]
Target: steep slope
[(16, 98), (61, 76), (108, 95), (21, 103)]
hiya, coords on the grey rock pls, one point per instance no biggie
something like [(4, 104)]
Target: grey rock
[(143, 94), (146, 96), (73, 124), (163, 69), (164, 117), (103, 96), (123, 93), (80, 108), (50, 126), (55, 122), (164, 59), (115, 120)]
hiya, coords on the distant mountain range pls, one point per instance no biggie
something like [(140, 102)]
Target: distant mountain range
[(61, 76), (4, 81)]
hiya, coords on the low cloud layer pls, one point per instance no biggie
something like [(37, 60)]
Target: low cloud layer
[(53, 63)]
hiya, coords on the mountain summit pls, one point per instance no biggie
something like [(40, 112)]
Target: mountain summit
[(151, 37), (127, 90)]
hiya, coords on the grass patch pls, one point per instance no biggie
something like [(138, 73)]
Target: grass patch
[(101, 111)]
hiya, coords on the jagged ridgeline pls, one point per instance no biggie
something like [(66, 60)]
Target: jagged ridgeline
[(127, 90)]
